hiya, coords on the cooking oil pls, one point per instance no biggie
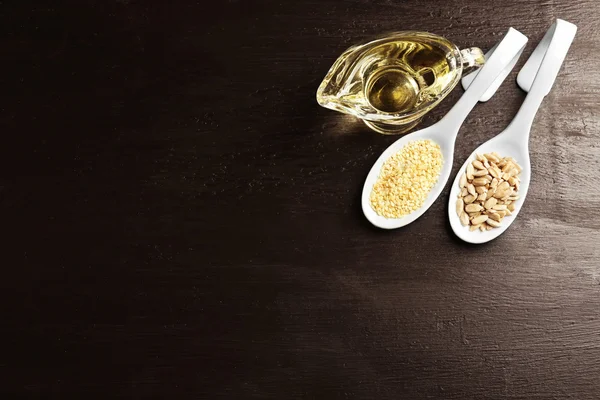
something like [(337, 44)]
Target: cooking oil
[(393, 81), (421, 72)]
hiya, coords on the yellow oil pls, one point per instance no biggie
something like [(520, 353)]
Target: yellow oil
[(392, 90), (405, 74)]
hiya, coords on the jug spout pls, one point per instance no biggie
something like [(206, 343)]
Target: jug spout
[(472, 59)]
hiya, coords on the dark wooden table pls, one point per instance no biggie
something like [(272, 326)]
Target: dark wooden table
[(181, 219)]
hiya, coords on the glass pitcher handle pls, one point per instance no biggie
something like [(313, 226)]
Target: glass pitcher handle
[(472, 59)]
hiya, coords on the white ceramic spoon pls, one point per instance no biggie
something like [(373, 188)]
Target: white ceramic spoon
[(445, 131), (536, 77)]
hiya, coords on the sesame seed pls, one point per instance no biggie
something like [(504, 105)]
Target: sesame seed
[(406, 178)]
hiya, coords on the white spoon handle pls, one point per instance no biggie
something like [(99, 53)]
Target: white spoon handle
[(539, 73), (501, 59), (468, 79)]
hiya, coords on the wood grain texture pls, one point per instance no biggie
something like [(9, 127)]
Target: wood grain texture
[(182, 220)]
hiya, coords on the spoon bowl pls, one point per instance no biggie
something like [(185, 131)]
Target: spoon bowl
[(446, 143), (505, 146)]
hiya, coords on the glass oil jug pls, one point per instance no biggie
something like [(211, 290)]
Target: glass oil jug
[(392, 82)]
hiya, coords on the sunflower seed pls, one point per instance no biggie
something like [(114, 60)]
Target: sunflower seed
[(460, 206), (470, 171), (495, 217), (473, 208), (481, 181), (499, 194), (464, 219), (480, 219), (478, 164), (518, 167), (492, 223), (469, 199), (463, 181), (490, 203), (471, 189), (493, 172), (492, 157)]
